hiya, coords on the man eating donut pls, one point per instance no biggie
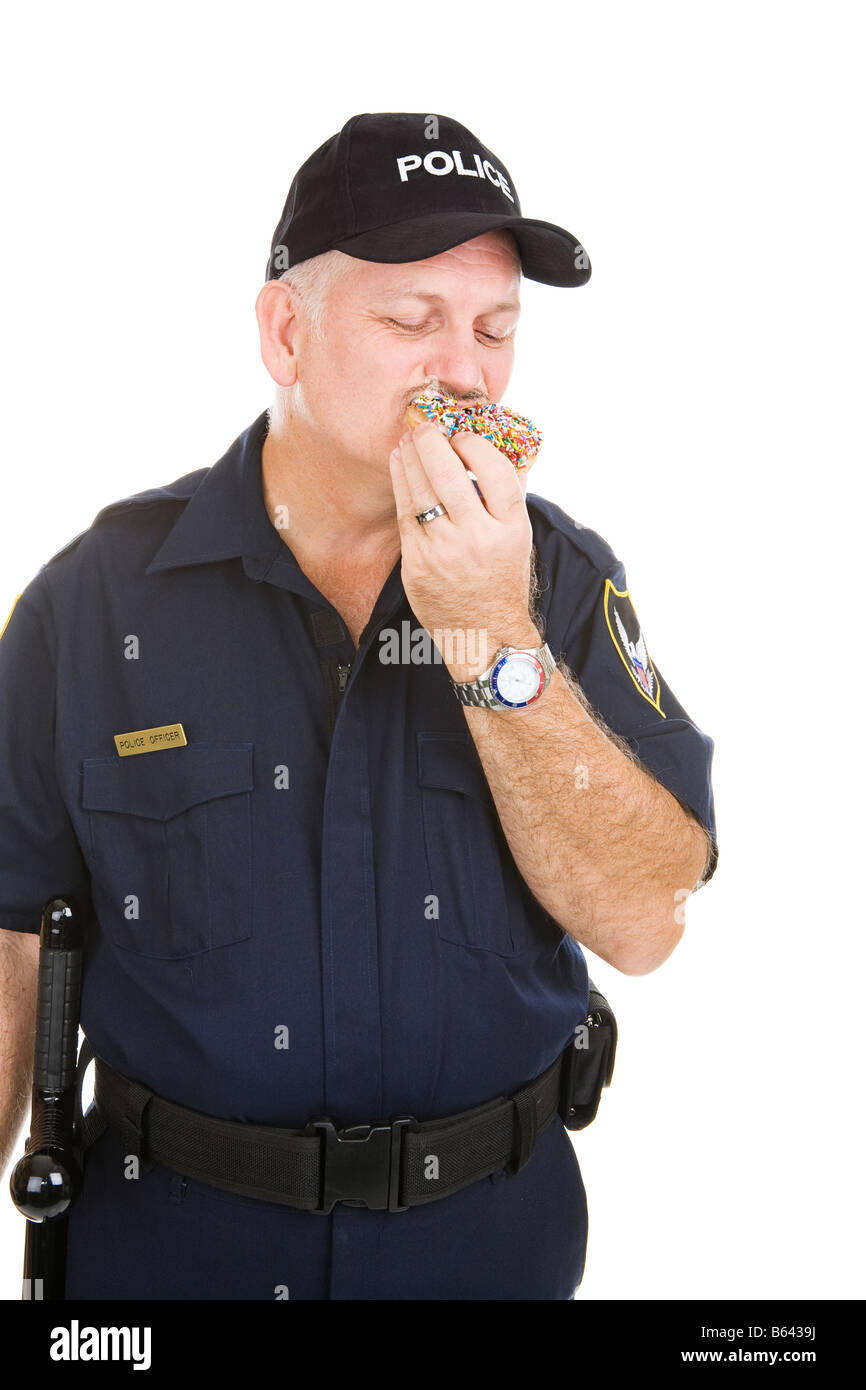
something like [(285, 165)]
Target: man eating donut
[(377, 746)]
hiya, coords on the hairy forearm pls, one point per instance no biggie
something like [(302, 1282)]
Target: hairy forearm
[(606, 849), (19, 958)]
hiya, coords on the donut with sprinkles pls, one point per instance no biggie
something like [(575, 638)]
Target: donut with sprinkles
[(514, 435)]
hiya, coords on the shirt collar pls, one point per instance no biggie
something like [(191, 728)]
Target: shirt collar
[(226, 517)]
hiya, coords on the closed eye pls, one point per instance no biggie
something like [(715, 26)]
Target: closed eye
[(415, 328), (406, 327)]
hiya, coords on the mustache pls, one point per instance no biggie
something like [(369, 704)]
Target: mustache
[(464, 398)]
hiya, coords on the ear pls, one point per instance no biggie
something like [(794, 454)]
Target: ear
[(278, 324)]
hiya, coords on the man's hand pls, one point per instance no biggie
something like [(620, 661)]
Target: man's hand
[(611, 864), (468, 572)]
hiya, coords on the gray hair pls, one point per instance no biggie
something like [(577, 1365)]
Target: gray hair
[(313, 280)]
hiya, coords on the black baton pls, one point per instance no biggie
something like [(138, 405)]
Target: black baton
[(48, 1177)]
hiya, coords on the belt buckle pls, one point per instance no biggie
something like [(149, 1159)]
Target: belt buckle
[(360, 1164)]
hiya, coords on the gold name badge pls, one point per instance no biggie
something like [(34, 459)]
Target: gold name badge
[(150, 740)]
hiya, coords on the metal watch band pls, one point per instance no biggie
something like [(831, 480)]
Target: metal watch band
[(478, 692)]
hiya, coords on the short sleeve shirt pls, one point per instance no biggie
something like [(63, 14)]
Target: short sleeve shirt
[(310, 906)]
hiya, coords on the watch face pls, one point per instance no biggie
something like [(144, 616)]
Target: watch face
[(517, 679)]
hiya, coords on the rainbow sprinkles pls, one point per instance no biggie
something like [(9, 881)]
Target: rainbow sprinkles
[(514, 435)]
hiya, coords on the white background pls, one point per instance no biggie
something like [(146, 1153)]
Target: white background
[(701, 399)]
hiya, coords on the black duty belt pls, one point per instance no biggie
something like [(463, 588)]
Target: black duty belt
[(392, 1167), (387, 1167)]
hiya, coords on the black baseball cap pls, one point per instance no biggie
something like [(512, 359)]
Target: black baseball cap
[(396, 186)]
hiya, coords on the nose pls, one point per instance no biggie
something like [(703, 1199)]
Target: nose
[(456, 365)]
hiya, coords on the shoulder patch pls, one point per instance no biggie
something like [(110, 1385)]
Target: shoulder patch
[(625, 633), (11, 611)]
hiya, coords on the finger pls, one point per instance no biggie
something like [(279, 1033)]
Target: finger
[(407, 521), (420, 487), (444, 473), (496, 474), (402, 493), (424, 493)]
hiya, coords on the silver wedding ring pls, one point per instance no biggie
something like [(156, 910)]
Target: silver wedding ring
[(430, 513)]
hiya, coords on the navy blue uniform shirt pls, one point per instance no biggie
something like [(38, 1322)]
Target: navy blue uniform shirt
[(262, 944)]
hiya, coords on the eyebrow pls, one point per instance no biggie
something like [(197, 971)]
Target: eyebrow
[(503, 305)]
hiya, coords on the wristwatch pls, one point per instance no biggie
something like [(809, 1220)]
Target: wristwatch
[(518, 676)]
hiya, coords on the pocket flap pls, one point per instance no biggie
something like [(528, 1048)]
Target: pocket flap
[(161, 785), (449, 760)]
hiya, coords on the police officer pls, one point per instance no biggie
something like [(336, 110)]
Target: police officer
[(336, 871)]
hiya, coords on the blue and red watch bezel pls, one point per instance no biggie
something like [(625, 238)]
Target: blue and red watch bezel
[(494, 683)]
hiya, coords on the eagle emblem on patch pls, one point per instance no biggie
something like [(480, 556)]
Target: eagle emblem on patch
[(625, 631)]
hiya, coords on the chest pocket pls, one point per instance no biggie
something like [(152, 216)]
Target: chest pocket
[(471, 869), (171, 847)]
